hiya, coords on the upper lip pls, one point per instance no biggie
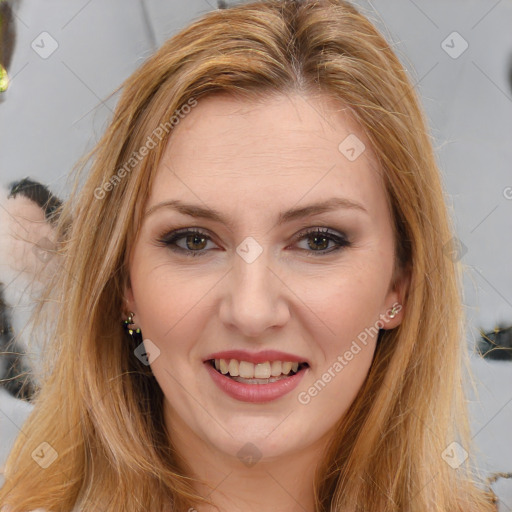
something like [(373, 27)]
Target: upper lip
[(256, 357)]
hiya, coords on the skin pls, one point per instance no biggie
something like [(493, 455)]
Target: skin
[(251, 161)]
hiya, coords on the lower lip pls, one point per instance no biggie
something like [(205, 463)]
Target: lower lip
[(255, 392)]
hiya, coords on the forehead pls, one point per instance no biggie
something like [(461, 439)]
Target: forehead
[(285, 147)]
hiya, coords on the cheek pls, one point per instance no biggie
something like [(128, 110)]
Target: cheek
[(155, 296), (349, 307), (350, 296), (168, 301)]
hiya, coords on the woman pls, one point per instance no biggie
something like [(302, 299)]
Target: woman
[(265, 215)]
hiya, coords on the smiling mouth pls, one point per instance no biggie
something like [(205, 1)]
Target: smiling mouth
[(261, 373)]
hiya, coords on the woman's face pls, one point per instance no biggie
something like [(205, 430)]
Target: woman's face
[(245, 176)]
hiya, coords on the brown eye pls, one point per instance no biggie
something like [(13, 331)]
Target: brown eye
[(322, 242), (195, 242), (318, 241)]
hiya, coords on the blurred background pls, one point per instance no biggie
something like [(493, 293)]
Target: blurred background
[(69, 56)]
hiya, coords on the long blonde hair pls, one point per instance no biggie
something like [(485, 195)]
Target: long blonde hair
[(101, 411)]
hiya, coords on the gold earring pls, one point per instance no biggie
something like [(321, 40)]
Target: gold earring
[(4, 79), (393, 313)]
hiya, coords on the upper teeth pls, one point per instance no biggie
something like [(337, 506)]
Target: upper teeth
[(248, 370)]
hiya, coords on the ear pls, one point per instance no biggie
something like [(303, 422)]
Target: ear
[(394, 304), (128, 299)]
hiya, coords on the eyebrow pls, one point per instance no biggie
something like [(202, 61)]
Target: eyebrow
[(334, 203)]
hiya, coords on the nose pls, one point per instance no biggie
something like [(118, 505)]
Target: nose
[(255, 298)]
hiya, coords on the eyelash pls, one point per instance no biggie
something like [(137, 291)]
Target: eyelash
[(170, 239)]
